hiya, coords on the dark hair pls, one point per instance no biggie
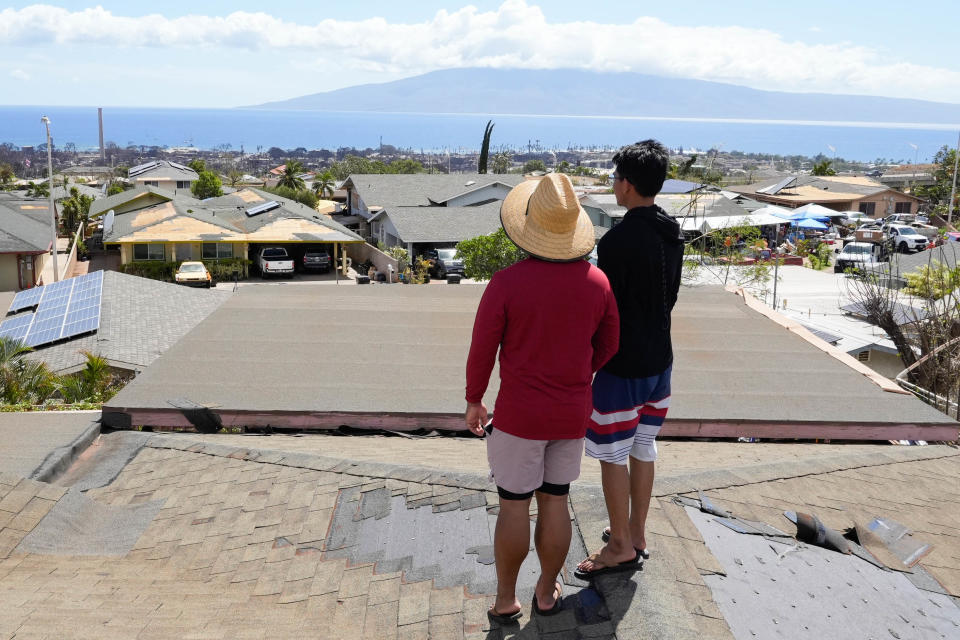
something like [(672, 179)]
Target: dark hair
[(644, 165)]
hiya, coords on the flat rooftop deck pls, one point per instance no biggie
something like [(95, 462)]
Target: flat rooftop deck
[(393, 357)]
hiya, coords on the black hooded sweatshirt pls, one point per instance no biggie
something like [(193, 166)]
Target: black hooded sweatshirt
[(643, 259)]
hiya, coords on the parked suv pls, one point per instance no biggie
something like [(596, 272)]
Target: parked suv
[(905, 239), (316, 261), (856, 255), (443, 261)]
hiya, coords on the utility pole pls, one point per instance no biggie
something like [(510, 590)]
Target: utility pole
[(953, 189), (53, 212)]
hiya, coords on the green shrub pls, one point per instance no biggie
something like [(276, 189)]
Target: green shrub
[(155, 270)]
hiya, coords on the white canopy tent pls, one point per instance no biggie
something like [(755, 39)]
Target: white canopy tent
[(758, 218)]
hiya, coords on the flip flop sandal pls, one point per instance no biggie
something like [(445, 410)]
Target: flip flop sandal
[(605, 536), (557, 605), (636, 564), (504, 618)]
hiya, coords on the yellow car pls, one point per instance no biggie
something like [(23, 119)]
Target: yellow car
[(193, 274)]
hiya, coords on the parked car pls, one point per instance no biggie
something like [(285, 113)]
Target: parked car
[(856, 255), (900, 218), (444, 261), (274, 261), (853, 218), (193, 274), (904, 238), (316, 261)]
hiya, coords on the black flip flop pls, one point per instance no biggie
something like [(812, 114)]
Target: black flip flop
[(504, 618), (552, 611), (605, 536), (636, 564)]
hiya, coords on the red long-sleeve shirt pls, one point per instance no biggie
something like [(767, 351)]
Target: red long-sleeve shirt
[(555, 324)]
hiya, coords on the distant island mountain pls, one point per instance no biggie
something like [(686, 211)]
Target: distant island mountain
[(575, 92)]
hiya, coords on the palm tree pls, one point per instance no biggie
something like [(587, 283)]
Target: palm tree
[(485, 148), (91, 384), (290, 177), (823, 168), (324, 184), (22, 380)]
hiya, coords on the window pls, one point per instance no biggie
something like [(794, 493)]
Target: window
[(217, 250), (148, 252), (868, 208), (902, 207), (151, 183), (183, 184)]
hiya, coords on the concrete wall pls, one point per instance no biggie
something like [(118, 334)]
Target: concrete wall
[(363, 252)]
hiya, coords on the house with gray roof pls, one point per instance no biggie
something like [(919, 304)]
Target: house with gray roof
[(420, 228), (25, 240), (139, 320), (231, 226), (840, 193), (164, 174), (139, 197), (373, 201)]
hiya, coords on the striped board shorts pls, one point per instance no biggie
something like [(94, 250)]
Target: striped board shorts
[(627, 416)]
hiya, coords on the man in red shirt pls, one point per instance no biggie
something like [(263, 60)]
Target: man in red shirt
[(554, 319)]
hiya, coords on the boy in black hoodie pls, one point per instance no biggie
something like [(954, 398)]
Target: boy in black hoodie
[(642, 258)]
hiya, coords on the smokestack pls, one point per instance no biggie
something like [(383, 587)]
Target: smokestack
[(103, 157)]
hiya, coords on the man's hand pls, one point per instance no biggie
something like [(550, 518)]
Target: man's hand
[(476, 417)]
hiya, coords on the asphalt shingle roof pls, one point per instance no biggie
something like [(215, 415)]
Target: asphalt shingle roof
[(21, 232), (111, 202), (422, 189), (139, 320), (443, 224)]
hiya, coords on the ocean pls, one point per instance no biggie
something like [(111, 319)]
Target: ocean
[(250, 129)]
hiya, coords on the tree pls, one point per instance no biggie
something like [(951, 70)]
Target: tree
[(485, 148), (939, 193), (90, 384), (198, 165), (502, 162), (303, 196), (324, 184), (534, 165), (823, 168), (22, 380), (6, 174), (485, 255), (564, 167), (234, 177), (114, 189), (405, 165), (37, 190), (291, 176), (682, 170), (207, 185)]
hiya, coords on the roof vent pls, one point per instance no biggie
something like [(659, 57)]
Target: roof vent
[(470, 183), (864, 356), (263, 208)]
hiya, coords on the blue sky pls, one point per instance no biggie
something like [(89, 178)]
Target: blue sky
[(243, 52)]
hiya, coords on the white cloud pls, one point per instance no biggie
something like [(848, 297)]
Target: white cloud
[(19, 74), (517, 34)]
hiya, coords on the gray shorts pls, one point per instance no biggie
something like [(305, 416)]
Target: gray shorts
[(521, 466)]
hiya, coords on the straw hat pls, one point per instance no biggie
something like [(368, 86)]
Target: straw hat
[(544, 218)]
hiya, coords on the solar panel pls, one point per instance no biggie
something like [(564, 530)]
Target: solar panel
[(177, 165), (777, 188), (16, 328), (27, 298), (67, 308), (140, 168), (263, 208)]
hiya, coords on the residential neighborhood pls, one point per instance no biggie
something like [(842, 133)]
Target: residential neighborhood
[(507, 320)]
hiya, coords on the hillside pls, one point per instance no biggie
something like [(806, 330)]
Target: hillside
[(569, 92)]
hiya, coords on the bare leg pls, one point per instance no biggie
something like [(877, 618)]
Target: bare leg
[(616, 492), (641, 488), (552, 539), (511, 542)]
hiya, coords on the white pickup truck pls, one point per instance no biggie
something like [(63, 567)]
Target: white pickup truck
[(274, 261)]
